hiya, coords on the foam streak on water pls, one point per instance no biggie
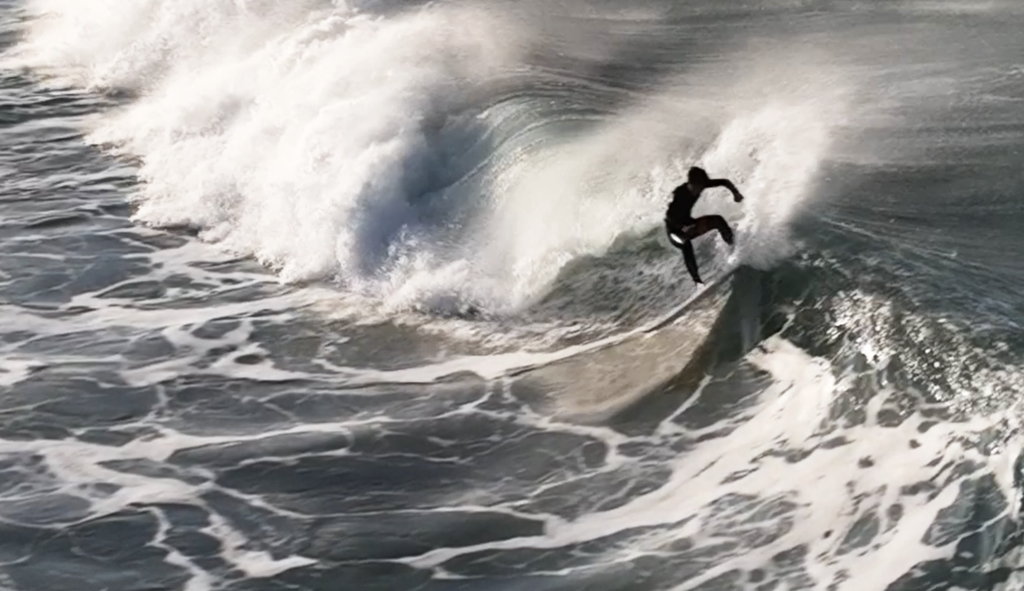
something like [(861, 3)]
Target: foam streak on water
[(742, 488), (375, 295)]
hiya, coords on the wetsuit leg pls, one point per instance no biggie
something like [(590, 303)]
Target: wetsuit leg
[(680, 240), (691, 261), (713, 222)]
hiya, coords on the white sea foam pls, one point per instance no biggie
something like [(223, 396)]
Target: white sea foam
[(830, 488), (312, 137)]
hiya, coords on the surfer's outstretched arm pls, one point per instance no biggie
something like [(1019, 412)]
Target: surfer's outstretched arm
[(691, 261), (728, 185)]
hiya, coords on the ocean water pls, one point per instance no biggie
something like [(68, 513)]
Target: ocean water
[(365, 294)]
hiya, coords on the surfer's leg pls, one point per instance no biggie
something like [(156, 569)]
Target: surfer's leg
[(676, 238), (691, 261), (679, 239), (713, 222)]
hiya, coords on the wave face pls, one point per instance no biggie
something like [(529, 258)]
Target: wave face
[(442, 155), (432, 336)]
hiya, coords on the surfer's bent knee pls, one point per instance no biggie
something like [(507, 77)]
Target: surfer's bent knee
[(679, 234)]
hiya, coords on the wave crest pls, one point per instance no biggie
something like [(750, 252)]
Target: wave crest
[(409, 155)]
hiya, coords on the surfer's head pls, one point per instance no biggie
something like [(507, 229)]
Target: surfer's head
[(696, 176)]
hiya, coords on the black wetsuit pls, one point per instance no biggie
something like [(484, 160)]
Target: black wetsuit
[(680, 209), (682, 227)]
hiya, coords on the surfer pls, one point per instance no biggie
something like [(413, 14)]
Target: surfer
[(680, 224)]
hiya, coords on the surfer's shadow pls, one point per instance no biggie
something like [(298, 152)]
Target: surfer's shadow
[(710, 388), (685, 370)]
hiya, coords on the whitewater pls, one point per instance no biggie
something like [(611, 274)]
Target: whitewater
[(404, 156), (376, 295)]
